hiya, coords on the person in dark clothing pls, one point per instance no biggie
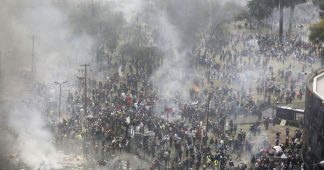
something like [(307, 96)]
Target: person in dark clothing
[(231, 164)]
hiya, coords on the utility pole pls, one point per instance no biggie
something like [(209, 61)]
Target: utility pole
[(85, 65), (92, 8), (281, 22), (0, 64), (33, 55), (60, 84)]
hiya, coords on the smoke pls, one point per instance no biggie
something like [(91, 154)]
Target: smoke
[(304, 14), (129, 8), (178, 25), (174, 78), (59, 50), (57, 55), (34, 143)]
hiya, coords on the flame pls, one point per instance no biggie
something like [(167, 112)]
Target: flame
[(196, 88)]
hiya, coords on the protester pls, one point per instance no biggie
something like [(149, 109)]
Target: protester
[(122, 110)]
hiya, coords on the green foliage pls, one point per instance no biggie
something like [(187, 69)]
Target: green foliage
[(317, 2), (317, 32), (321, 5), (286, 3), (100, 21), (190, 17), (260, 9), (296, 2), (136, 38), (243, 14)]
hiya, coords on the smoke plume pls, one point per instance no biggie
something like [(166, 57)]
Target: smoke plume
[(57, 55)]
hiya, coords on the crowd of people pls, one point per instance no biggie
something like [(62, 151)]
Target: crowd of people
[(282, 156), (121, 114), (110, 125)]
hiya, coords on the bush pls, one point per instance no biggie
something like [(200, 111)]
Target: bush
[(321, 6)]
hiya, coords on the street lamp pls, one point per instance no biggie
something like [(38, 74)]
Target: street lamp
[(60, 84)]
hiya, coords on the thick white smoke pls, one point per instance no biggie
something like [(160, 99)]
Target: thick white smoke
[(174, 77), (129, 8), (171, 78), (304, 14), (57, 56), (177, 30), (34, 144)]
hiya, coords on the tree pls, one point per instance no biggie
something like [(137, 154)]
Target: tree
[(102, 23), (260, 9), (317, 32), (321, 9), (286, 3), (292, 4), (242, 15), (317, 2), (317, 36)]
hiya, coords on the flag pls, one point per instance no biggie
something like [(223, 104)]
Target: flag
[(128, 120), (120, 73)]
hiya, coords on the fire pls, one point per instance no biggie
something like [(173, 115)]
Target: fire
[(196, 88)]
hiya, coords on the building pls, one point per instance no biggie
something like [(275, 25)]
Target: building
[(289, 113), (314, 119)]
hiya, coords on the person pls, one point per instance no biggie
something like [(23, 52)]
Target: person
[(291, 166), (266, 123), (277, 141), (287, 131), (239, 152), (231, 163), (253, 160), (302, 166), (287, 142), (242, 166)]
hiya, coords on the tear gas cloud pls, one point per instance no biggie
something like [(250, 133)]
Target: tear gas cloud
[(60, 48), (59, 51), (305, 13), (57, 55), (177, 26)]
